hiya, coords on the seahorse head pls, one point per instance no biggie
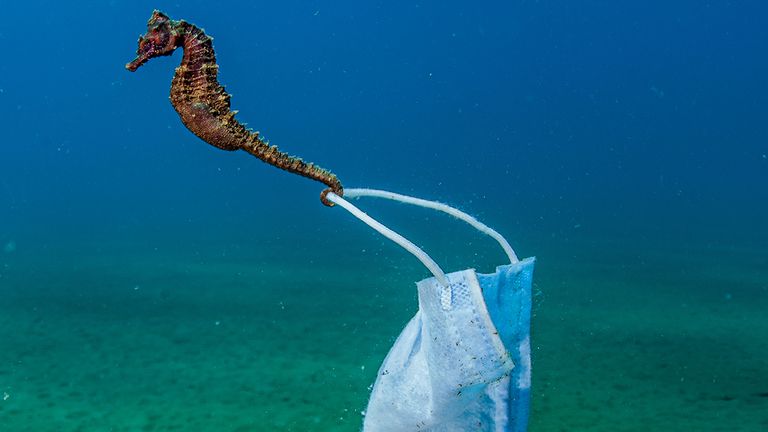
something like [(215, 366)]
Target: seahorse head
[(161, 39)]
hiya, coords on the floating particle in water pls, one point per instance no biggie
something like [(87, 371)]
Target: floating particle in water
[(6, 396)]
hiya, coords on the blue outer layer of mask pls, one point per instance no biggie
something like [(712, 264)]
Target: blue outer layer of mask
[(463, 362)]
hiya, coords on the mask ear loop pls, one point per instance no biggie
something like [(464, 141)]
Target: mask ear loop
[(407, 244), (425, 259), (434, 205)]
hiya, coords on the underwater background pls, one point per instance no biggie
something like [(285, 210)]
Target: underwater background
[(150, 282)]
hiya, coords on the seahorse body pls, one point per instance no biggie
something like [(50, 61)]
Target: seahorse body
[(204, 105)]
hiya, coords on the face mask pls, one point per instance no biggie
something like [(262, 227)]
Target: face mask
[(463, 361)]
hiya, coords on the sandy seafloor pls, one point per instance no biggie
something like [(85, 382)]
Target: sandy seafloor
[(191, 331)]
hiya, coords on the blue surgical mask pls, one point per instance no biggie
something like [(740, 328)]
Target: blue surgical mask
[(463, 361)]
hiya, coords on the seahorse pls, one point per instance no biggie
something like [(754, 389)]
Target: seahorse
[(204, 105)]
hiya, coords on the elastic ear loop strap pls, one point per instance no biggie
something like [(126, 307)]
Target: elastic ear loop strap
[(405, 243)]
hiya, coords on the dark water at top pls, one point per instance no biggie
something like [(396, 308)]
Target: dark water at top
[(625, 144)]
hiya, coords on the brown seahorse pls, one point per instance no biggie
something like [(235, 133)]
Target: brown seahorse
[(204, 105)]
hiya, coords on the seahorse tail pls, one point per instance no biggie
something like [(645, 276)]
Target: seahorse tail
[(314, 172), (323, 176), (335, 187), (273, 156)]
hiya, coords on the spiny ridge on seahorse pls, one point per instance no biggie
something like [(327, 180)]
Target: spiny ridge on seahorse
[(204, 105)]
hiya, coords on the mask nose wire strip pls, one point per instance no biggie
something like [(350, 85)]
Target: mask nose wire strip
[(395, 237), (458, 214)]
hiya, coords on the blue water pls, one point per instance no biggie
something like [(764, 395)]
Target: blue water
[(625, 144)]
